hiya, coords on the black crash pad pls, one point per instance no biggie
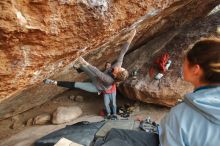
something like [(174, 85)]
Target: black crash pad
[(82, 133), (126, 137)]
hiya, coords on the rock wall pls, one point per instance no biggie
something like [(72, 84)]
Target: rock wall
[(41, 38), (171, 87)]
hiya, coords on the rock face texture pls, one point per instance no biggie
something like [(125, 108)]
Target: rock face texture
[(41, 38), (171, 87)]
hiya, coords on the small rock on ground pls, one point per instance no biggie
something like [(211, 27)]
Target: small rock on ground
[(66, 114)]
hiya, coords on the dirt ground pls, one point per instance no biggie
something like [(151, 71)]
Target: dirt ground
[(14, 131)]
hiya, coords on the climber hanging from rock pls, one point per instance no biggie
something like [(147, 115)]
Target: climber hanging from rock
[(102, 82)]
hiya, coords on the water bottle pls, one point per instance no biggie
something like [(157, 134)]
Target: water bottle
[(158, 76), (168, 64)]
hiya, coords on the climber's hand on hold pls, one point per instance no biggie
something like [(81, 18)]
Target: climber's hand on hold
[(78, 62)]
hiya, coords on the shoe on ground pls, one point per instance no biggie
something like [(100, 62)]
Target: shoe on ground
[(108, 117), (114, 117), (49, 81)]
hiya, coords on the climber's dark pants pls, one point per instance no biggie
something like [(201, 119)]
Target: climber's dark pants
[(66, 84)]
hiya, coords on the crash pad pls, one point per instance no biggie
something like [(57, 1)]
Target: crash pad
[(117, 124), (82, 133), (125, 137)]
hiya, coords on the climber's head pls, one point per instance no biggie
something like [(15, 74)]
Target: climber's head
[(120, 73)]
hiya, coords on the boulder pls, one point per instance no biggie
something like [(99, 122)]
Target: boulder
[(72, 97), (42, 119), (16, 123), (66, 114), (29, 122), (40, 39), (170, 88), (79, 98)]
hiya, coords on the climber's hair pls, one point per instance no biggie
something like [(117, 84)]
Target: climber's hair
[(122, 76), (206, 53)]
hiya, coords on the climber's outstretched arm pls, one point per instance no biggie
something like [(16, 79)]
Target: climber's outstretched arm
[(124, 50)]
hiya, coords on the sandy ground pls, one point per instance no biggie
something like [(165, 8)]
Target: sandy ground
[(23, 135)]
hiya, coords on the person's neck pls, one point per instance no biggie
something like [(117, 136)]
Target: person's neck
[(205, 84), (198, 85)]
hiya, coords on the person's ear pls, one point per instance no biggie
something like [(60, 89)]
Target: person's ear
[(197, 70)]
